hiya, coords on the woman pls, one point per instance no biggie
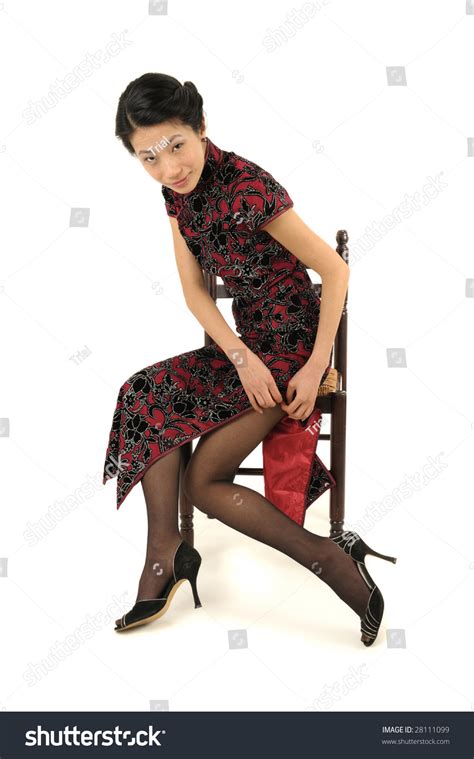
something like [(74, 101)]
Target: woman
[(233, 392)]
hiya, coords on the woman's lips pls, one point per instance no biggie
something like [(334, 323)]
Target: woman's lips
[(179, 184)]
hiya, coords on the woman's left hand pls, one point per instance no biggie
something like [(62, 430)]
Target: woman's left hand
[(302, 391)]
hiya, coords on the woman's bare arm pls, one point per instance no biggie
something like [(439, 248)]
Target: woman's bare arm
[(256, 378), (201, 304)]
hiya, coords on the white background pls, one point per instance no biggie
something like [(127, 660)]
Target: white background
[(82, 308)]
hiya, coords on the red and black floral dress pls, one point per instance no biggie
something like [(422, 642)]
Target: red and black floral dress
[(276, 313)]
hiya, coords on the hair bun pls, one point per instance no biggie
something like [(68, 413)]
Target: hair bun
[(154, 98), (191, 88)]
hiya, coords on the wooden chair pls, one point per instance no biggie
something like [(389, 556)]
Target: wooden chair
[(333, 404)]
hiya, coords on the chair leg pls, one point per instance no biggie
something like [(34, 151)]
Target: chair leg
[(186, 508), (338, 463)]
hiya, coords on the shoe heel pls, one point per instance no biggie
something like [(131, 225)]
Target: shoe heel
[(357, 548), (192, 577), (379, 555), (187, 568), (197, 602)]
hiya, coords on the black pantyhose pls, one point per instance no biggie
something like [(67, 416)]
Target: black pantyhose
[(209, 484), (160, 488)]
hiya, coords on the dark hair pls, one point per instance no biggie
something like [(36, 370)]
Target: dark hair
[(154, 98)]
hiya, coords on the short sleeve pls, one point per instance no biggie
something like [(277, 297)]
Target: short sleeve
[(258, 200), (170, 201)]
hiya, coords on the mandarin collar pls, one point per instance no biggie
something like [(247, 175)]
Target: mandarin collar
[(212, 158)]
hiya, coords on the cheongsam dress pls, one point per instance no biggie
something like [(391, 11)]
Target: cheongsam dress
[(276, 313)]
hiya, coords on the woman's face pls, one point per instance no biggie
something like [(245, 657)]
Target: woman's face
[(171, 152)]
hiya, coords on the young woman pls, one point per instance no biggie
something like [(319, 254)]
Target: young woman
[(230, 217)]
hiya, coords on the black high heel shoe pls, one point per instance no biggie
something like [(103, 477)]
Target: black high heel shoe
[(353, 544), (186, 563)]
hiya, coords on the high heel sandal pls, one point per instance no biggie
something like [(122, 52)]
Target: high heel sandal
[(186, 563), (352, 543)]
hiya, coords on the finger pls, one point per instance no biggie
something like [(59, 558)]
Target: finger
[(293, 406), (290, 391), (277, 396), (305, 415), (262, 401), (270, 400), (297, 411), (254, 404), (258, 404)]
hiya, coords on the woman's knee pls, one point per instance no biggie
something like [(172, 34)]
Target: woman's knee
[(193, 482), (194, 487), (197, 479), (143, 379)]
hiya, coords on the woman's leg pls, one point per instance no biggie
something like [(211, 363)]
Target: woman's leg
[(160, 487), (208, 482)]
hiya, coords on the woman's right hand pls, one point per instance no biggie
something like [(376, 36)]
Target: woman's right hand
[(258, 382)]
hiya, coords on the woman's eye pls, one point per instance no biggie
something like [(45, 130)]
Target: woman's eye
[(178, 145)]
